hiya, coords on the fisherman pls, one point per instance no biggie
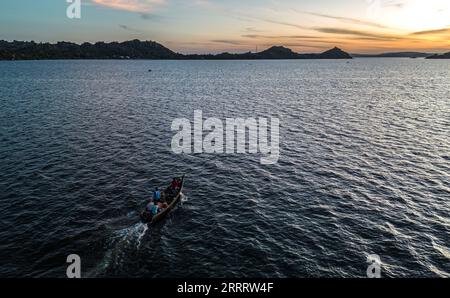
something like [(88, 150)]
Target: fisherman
[(149, 206), (179, 183), (156, 195), (162, 205), (174, 184), (152, 208)]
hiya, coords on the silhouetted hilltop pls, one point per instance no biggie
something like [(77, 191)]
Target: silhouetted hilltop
[(335, 53), (277, 52), (136, 49), (443, 56)]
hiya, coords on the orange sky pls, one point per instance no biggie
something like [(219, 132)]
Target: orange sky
[(200, 26)]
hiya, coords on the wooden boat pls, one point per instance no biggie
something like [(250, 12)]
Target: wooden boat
[(171, 200)]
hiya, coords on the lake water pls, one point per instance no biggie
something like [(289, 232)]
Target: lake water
[(364, 169)]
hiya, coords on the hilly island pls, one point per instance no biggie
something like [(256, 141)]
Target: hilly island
[(437, 56), (136, 49)]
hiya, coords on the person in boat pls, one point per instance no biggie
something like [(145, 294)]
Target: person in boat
[(162, 205), (149, 206), (156, 195), (174, 186), (153, 208)]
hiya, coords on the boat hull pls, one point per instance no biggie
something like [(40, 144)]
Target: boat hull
[(146, 217)]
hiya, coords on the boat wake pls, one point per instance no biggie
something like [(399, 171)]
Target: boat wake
[(123, 242), (133, 235), (184, 199), (144, 229)]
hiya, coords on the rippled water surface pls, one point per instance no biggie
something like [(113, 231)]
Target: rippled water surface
[(364, 169)]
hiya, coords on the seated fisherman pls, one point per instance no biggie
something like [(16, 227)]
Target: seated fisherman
[(156, 195), (174, 184), (162, 205), (148, 208), (155, 209)]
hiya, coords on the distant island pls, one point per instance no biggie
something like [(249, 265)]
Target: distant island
[(276, 52), (394, 55), (443, 56), (136, 49)]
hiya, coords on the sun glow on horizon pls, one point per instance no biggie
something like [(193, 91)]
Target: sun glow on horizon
[(418, 15)]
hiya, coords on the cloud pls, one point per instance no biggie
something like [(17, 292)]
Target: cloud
[(364, 34), (284, 23), (226, 41), (355, 34), (151, 16), (142, 6), (251, 29), (125, 27), (432, 32), (280, 36), (396, 4), (344, 19)]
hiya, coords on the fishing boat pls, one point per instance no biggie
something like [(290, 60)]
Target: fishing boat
[(171, 199)]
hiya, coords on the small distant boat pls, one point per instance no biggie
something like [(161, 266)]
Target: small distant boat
[(172, 200)]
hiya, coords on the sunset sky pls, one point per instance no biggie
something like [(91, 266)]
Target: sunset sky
[(200, 26)]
